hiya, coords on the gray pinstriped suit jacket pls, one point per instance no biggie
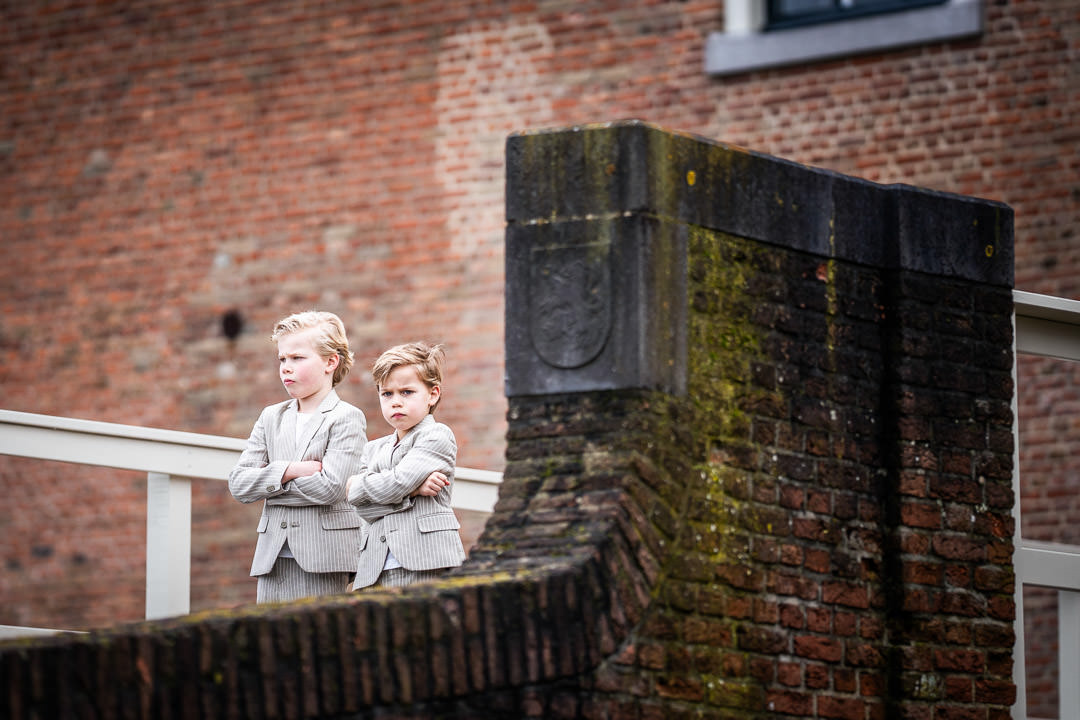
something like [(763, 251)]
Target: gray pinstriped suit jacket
[(310, 512), (422, 532)]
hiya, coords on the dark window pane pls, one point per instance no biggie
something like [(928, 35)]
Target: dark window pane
[(800, 7), (790, 13)]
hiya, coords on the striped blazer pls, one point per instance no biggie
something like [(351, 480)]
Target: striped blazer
[(421, 531), (310, 512)]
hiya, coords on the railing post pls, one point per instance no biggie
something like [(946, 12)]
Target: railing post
[(168, 545), (1068, 654)]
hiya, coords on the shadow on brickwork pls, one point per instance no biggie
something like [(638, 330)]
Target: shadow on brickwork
[(758, 465)]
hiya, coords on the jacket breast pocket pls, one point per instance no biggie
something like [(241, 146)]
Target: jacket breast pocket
[(339, 520), (263, 522), (437, 521)]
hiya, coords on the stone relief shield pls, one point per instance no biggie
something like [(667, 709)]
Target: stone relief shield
[(570, 302)]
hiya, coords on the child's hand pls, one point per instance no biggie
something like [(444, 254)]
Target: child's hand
[(435, 482), (301, 469)]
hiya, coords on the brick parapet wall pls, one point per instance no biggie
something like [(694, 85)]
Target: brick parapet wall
[(815, 525), (431, 651)]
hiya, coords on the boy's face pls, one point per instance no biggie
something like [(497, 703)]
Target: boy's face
[(406, 399), (305, 374)]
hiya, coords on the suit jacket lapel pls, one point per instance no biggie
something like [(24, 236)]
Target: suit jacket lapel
[(287, 431), (328, 403), (406, 443)]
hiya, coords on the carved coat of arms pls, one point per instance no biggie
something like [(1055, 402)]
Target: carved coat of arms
[(570, 303)]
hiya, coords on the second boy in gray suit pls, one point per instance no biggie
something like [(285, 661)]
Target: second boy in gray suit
[(403, 487)]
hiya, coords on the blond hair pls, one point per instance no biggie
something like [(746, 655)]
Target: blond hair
[(426, 359), (330, 340)]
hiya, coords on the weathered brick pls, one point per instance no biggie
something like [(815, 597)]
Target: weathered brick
[(969, 661), (846, 594), (845, 624), (844, 680), (818, 648), (959, 712), (789, 673), (819, 619), (993, 634), (863, 655), (995, 692), (762, 640), (792, 616), (817, 676), (817, 561), (840, 707), (955, 488), (923, 573), (994, 579), (790, 703), (920, 514), (958, 688), (960, 547), (678, 687)]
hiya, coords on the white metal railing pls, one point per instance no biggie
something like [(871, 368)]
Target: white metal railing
[(1048, 326), (170, 459)]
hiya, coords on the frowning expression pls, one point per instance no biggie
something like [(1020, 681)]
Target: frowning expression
[(406, 399)]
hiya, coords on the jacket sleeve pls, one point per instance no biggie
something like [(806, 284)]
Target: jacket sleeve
[(346, 437), (255, 477), (357, 496), (435, 449)]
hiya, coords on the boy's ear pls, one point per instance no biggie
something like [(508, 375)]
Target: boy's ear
[(436, 391), (333, 361)]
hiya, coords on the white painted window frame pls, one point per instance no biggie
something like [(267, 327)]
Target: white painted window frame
[(746, 45), (1048, 326)]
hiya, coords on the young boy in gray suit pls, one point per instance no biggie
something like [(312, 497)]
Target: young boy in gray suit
[(405, 480), (298, 458)]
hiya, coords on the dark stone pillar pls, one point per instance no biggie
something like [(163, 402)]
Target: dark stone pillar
[(842, 545)]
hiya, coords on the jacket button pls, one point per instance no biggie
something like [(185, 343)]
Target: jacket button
[(284, 524), (382, 538), (271, 488)]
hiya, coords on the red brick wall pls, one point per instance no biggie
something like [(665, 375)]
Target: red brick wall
[(163, 162)]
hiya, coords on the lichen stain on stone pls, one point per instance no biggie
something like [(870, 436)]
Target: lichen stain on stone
[(732, 693), (990, 249), (831, 310), (723, 340), (723, 345)]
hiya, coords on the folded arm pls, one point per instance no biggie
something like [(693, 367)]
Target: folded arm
[(376, 492), (341, 459), (308, 482)]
